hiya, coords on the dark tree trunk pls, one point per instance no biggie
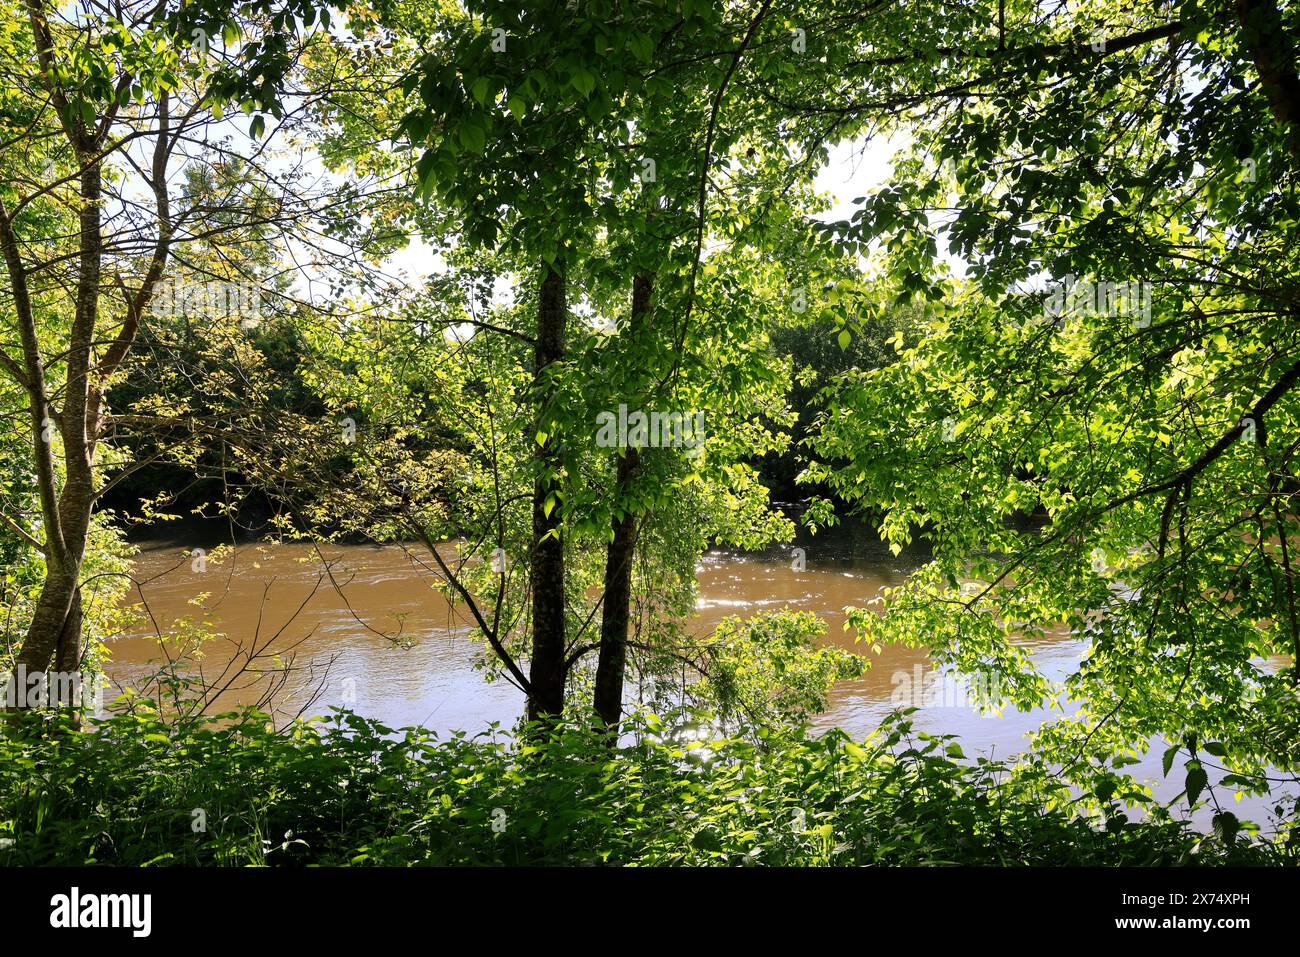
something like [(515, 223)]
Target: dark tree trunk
[(547, 670), (1274, 57), (49, 620), (616, 612), (607, 699), (67, 654)]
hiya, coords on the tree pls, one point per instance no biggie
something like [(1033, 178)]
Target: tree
[(1120, 361), (591, 142), (105, 108)]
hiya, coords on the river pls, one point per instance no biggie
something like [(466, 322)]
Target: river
[(374, 635)]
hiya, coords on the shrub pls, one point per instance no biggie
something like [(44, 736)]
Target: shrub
[(134, 789)]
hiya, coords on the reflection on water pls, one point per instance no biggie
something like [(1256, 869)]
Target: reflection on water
[(372, 633)]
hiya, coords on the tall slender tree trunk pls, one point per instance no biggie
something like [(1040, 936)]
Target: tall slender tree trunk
[(54, 634), (547, 669), (607, 699)]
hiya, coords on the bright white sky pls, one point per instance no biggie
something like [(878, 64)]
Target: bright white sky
[(855, 170)]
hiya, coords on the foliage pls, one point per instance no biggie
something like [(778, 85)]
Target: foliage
[(1123, 475), (1121, 468), (135, 790), (768, 672)]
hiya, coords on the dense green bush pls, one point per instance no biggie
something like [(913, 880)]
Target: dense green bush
[(134, 790)]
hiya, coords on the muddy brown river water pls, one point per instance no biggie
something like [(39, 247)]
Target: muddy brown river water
[(375, 636)]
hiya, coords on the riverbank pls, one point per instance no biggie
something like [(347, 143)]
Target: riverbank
[(139, 791)]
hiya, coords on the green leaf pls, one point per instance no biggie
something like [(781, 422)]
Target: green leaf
[(1168, 761), (706, 839), (584, 81), (1197, 779), (472, 137), (1226, 825)]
